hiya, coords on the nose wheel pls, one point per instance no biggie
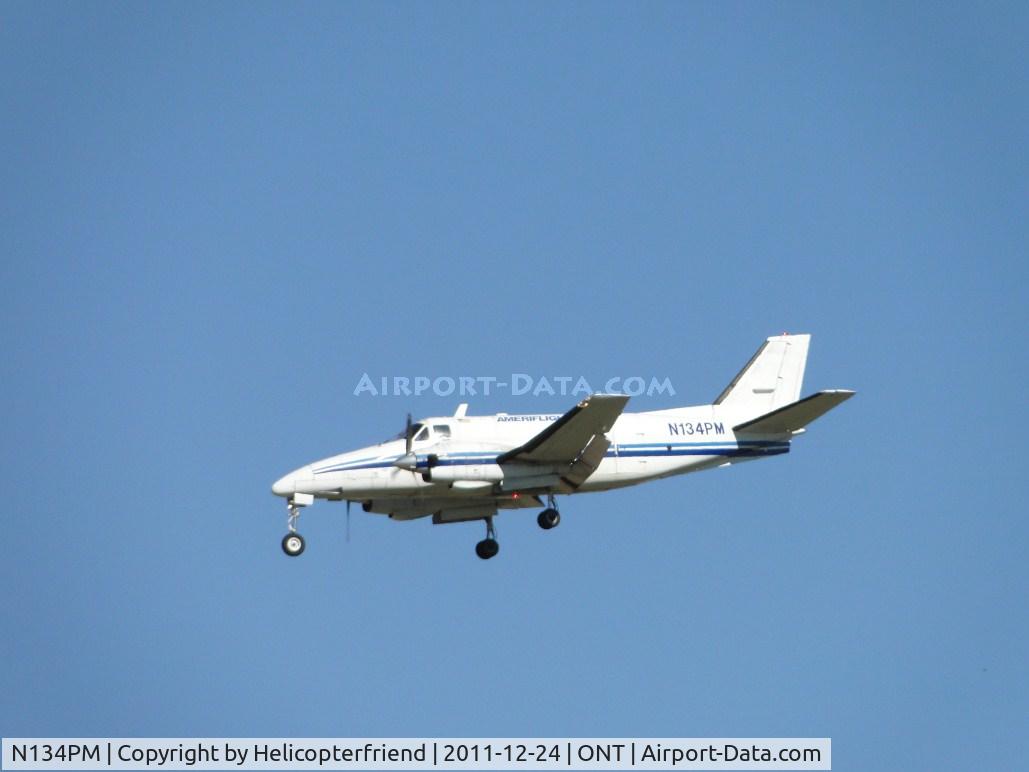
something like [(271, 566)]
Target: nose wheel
[(488, 547), (549, 517), (293, 544)]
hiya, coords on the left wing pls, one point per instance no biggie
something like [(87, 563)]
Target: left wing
[(565, 440)]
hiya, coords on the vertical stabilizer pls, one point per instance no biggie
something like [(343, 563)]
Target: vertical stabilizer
[(772, 378)]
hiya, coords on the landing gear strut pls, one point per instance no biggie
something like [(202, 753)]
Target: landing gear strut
[(292, 543), (549, 517), (488, 547)]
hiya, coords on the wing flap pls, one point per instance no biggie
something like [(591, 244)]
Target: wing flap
[(587, 462)]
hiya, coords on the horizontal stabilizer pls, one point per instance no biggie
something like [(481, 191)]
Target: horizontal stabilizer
[(796, 415)]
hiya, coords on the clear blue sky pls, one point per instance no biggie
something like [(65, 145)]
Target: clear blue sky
[(215, 217)]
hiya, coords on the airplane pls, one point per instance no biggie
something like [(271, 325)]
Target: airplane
[(462, 468)]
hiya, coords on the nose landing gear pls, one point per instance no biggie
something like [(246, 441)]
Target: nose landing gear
[(293, 543), (488, 547)]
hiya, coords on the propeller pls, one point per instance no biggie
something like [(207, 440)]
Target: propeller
[(409, 460)]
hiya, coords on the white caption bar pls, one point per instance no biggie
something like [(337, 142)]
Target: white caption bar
[(416, 753)]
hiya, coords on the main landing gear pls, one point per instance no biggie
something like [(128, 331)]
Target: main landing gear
[(488, 547), (549, 517), (293, 543)]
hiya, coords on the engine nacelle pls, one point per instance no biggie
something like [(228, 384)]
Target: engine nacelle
[(450, 473), (509, 477)]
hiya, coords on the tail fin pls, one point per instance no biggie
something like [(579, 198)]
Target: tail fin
[(772, 377)]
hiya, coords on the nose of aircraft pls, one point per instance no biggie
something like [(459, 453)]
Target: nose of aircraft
[(287, 485), (283, 486)]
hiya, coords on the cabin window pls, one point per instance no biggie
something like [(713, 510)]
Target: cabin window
[(441, 430)]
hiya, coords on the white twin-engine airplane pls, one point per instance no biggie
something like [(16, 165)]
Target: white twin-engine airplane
[(462, 467)]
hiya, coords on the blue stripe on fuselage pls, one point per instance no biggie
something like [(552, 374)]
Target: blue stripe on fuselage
[(637, 450)]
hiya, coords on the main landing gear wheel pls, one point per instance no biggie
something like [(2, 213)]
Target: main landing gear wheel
[(488, 547), (293, 544), (549, 518)]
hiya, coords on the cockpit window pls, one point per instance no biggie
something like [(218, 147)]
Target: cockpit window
[(415, 428), (442, 431), (421, 435)]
